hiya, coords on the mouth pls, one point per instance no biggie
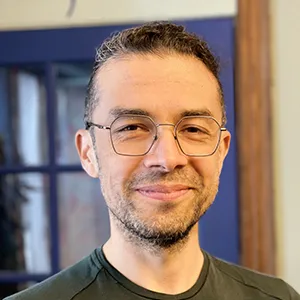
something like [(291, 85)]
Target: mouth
[(164, 192)]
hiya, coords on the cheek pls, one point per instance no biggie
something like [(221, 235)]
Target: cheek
[(116, 169), (207, 168)]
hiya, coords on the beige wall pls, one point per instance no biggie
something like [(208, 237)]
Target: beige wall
[(286, 61), (16, 14)]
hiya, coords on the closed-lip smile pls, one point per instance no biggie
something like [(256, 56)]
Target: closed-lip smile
[(164, 192)]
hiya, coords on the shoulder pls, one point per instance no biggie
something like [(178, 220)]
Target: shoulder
[(65, 285), (251, 280)]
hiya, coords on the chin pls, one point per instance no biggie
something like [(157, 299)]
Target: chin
[(159, 236)]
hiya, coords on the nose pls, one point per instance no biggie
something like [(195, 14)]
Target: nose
[(165, 153)]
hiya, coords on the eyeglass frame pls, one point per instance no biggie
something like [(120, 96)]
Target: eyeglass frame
[(88, 125)]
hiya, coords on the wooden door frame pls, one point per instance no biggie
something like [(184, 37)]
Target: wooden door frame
[(254, 135)]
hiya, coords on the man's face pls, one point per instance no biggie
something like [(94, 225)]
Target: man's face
[(158, 197)]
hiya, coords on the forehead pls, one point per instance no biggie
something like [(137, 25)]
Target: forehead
[(164, 86)]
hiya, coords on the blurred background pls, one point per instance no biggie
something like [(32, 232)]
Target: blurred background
[(51, 213)]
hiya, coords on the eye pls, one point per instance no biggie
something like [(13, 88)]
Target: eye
[(130, 128), (194, 129), (133, 127)]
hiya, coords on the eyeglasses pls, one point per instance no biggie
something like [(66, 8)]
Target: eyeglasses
[(134, 135)]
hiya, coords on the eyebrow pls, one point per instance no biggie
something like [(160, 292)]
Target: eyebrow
[(196, 112), (119, 111)]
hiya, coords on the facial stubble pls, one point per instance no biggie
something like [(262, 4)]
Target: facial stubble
[(166, 226)]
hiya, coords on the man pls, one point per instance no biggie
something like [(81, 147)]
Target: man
[(155, 137)]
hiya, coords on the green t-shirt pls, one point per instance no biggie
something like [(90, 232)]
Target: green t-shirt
[(95, 278)]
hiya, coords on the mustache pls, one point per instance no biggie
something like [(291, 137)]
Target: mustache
[(186, 177)]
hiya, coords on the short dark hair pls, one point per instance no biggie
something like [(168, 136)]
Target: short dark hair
[(152, 38)]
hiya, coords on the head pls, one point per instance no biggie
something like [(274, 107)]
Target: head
[(161, 71)]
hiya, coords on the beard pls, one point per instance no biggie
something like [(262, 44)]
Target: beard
[(164, 226)]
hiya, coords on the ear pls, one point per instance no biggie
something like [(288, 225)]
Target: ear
[(224, 145), (84, 145)]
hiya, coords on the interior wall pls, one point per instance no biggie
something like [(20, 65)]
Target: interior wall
[(15, 14), (286, 81)]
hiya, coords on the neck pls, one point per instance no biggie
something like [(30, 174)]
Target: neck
[(165, 271)]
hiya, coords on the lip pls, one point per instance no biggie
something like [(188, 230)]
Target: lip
[(163, 192)]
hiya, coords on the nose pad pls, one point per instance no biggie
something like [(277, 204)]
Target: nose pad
[(155, 138), (166, 154)]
